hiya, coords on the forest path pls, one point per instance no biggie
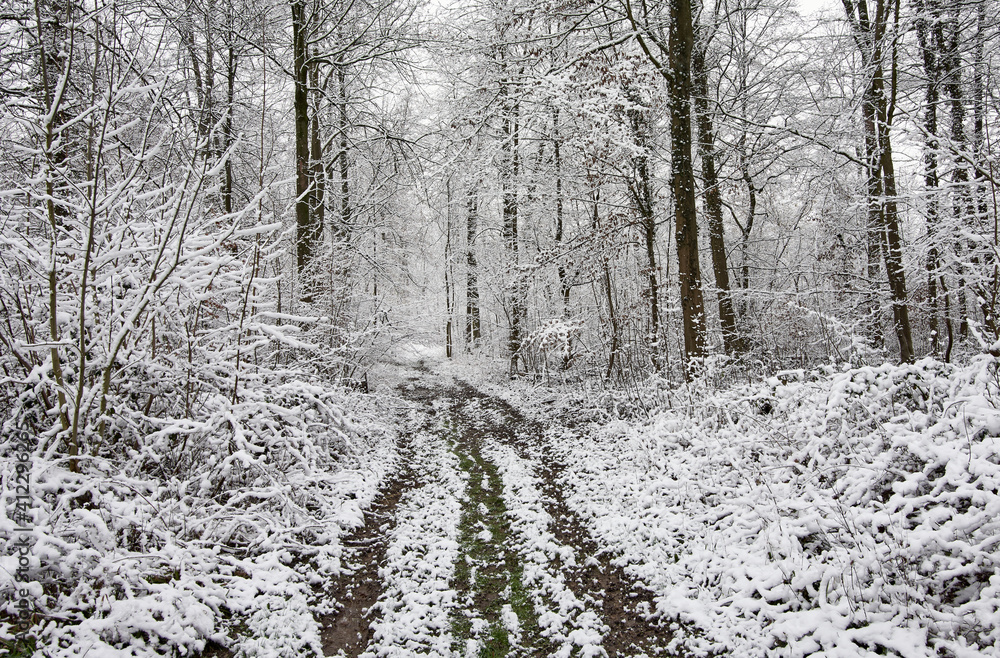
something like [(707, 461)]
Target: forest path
[(524, 577)]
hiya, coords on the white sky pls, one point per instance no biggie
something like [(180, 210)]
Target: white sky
[(813, 6)]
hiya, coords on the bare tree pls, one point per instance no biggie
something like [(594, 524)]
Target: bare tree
[(874, 29)]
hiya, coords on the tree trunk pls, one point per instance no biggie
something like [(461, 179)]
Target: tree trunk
[(316, 169), (952, 70), (564, 287), (344, 229), (732, 341), (894, 256), (449, 302), (608, 295), (682, 183), (306, 235), (227, 129), (642, 193), (509, 176), (473, 331)]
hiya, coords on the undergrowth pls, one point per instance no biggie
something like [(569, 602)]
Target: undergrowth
[(836, 512), (192, 530)]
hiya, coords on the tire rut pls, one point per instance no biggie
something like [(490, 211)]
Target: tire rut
[(487, 580), (625, 604), (349, 631)]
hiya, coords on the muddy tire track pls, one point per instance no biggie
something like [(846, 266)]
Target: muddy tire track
[(349, 631), (485, 575), (625, 604)]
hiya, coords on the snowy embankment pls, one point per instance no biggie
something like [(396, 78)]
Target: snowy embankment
[(202, 531), (853, 514), (413, 611)]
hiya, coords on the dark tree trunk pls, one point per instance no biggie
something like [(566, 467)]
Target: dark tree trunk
[(306, 235), (682, 183), (732, 341), (894, 256)]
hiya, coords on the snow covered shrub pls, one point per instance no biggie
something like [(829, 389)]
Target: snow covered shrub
[(181, 482), (207, 526), (553, 345), (846, 514)]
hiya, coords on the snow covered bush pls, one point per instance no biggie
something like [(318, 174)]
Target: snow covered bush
[(213, 528), (839, 514), (553, 345)]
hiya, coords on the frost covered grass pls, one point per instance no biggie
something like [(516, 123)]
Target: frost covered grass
[(844, 514), (197, 530)]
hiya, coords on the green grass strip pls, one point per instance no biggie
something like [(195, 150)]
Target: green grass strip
[(489, 574)]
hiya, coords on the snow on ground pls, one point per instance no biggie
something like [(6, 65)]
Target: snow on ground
[(570, 623), (840, 514), (413, 611), (853, 514)]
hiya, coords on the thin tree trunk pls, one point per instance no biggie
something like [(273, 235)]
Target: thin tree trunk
[(448, 301), (564, 288), (510, 173), (316, 167), (53, 64), (344, 229), (608, 294), (473, 331), (732, 341), (642, 192), (227, 129)]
